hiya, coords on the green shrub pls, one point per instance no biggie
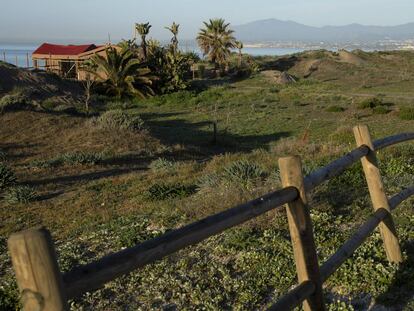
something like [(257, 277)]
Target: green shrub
[(119, 120), (162, 164), (7, 177), (242, 171), (3, 156), (84, 158), (12, 102), (380, 110), (20, 194), (335, 109), (208, 181), (370, 103), (162, 191), (406, 113)]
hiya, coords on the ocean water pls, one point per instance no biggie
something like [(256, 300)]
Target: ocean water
[(17, 54)]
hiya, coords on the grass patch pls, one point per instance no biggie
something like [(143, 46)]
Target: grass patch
[(162, 165), (119, 120), (406, 113), (370, 103), (20, 194), (163, 191)]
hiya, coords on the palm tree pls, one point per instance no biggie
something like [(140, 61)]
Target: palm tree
[(216, 41), (239, 46), (174, 30), (143, 30), (122, 74)]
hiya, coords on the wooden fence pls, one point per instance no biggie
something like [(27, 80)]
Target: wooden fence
[(43, 287)]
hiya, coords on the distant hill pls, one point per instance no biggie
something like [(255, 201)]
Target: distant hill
[(278, 30)]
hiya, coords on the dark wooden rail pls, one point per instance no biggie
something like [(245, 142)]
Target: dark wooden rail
[(43, 286)]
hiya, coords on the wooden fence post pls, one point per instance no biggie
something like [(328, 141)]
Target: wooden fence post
[(301, 232), (378, 196), (37, 273)]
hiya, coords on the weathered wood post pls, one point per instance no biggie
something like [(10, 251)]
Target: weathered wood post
[(378, 196), (37, 273), (301, 232)]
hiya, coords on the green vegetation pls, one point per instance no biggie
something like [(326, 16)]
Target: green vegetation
[(370, 103), (20, 194), (407, 113), (121, 74), (335, 109), (14, 101), (119, 120), (216, 41), (7, 176)]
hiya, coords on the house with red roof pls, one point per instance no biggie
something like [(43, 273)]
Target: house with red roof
[(65, 60)]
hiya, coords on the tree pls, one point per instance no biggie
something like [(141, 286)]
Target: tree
[(122, 74), (143, 30), (174, 41), (128, 45), (216, 41), (239, 46)]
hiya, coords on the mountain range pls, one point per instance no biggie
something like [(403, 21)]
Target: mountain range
[(278, 30)]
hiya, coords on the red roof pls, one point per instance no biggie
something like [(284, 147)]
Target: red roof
[(56, 49)]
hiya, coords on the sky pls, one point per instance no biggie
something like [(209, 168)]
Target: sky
[(95, 20)]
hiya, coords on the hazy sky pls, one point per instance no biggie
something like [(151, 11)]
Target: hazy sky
[(74, 20)]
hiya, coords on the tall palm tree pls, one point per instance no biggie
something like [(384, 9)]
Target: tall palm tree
[(122, 74), (239, 46), (174, 30), (143, 30), (216, 41)]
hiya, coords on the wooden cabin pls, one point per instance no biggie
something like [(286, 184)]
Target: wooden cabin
[(65, 60)]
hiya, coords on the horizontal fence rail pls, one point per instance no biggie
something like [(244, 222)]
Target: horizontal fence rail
[(94, 275)]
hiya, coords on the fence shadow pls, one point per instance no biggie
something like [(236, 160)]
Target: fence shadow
[(200, 136), (401, 291)]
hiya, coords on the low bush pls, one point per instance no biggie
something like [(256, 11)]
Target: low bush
[(119, 120), (162, 191), (335, 109), (7, 177), (76, 158), (242, 171), (406, 113), (162, 164), (20, 194), (14, 101), (370, 103), (209, 181)]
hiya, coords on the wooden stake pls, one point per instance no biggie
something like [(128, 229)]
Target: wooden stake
[(37, 273), (300, 226), (378, 197)]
